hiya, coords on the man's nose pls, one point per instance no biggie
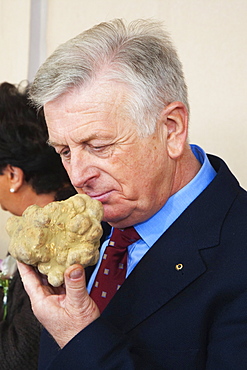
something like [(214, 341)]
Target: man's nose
[(82, 170)]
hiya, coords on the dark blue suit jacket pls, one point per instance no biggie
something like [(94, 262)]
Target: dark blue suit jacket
[(168, 318)]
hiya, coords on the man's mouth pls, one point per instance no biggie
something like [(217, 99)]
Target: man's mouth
[(102, 197)]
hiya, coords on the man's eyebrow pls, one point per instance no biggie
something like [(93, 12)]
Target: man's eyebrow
[(53, 143), (86, 139)]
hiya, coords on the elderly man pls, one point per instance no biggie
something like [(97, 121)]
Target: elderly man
[(116, 108)]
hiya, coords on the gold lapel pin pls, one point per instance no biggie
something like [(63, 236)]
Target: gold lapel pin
[(179, 266)]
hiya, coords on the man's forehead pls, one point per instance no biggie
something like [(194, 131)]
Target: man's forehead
[(93, 99)]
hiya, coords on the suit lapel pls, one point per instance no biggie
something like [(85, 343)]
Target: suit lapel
[(174, 261), (166, 269)]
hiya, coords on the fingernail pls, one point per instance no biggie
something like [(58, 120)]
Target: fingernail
[(76, 274)]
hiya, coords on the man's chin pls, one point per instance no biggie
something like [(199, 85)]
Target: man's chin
[(121, 214), (117, 221)]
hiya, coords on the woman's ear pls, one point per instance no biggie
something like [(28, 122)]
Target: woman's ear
[(175, 118), (15, 177)]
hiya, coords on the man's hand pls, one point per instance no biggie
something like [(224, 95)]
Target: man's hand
[(63, 312)]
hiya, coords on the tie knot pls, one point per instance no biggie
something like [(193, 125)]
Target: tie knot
[(122, 238)]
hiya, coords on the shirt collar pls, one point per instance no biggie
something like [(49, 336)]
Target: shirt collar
[(153, 228)]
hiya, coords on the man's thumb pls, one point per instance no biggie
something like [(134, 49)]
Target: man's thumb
[(75, 273), (75, 283)]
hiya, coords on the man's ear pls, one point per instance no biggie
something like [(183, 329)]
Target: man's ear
[(15, 177), (175, 118)]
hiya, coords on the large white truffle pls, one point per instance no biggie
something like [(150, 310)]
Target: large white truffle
[(57, 235)]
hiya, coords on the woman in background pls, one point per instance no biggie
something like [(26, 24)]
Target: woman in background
[(31, 172)]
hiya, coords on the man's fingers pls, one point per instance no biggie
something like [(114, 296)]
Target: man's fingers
[(27, 273), (30, 279)]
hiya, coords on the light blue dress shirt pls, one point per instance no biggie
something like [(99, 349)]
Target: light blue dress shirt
[(154, 227)]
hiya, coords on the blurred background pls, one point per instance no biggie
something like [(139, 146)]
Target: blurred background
[(211, 39)]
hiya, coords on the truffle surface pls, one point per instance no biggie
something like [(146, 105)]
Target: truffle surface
[(57, 235)]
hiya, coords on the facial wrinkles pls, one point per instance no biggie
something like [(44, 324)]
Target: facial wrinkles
[(98, 110), (105, 116), (117, 156), (128, 171)]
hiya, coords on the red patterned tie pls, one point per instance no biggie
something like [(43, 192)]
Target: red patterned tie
[(112, 271)]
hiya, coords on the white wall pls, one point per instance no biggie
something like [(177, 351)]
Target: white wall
[(211, 40), (14, 44), (14, 40)]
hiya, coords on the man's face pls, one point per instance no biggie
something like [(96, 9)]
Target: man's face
[(104, 156)]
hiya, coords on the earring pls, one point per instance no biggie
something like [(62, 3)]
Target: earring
[(12, 190)]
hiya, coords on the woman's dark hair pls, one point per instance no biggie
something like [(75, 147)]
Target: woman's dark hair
[(23, 144)]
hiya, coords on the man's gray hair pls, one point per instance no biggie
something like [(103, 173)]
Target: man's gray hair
[(139, 55)]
